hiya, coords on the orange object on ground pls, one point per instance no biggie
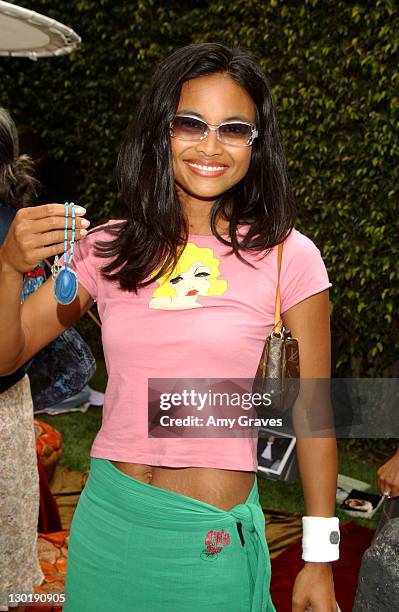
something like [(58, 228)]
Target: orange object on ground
[(49, 445), (53, 554)]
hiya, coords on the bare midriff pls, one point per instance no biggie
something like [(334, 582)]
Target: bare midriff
[(221, 488)]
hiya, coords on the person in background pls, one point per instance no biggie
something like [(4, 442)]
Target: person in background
[(19, 478), (388, 484), (378, 580)]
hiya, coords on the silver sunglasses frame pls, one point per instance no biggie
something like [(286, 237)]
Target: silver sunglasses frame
[(215, 128)]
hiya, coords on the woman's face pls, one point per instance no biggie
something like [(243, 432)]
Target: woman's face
[(193, 282), (214, 99)]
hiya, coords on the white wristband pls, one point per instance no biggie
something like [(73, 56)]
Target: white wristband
[(320, 541)]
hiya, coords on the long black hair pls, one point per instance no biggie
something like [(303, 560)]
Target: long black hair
[(152, 232), (18, 185)]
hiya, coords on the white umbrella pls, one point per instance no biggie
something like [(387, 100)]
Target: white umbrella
[(25, 33)]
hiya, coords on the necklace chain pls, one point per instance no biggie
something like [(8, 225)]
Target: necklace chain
[(56, 267), (72, 243)]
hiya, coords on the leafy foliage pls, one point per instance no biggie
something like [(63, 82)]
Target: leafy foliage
[(334, 70)]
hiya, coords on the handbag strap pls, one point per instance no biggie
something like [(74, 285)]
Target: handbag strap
[(278, 323)]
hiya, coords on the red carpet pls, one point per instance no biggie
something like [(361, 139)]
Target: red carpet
[(354, 541)]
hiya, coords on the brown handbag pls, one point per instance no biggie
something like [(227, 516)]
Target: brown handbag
[(277, 376)]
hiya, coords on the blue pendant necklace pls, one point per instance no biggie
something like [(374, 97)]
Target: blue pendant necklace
[(65, 279)]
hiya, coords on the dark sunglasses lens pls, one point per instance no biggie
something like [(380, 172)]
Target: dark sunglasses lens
[(188, 128), (235, 133)]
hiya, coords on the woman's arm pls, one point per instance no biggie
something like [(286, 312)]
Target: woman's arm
[(35, 233), (388, 476), (309, 321)]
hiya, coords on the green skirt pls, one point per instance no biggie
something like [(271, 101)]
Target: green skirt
[(138, 548)]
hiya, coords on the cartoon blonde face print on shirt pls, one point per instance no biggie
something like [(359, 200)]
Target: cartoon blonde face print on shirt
[(195, 275)]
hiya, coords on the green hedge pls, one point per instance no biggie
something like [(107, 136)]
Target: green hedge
[(334, 71)]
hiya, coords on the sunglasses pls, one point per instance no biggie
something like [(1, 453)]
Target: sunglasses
[(234, 133)]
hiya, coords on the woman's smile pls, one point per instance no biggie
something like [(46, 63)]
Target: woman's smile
[(206, 169)]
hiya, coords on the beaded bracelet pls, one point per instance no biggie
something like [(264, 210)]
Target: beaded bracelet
[(65, 279)]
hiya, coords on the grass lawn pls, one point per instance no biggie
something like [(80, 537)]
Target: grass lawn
[(287, 496), (79, 429)]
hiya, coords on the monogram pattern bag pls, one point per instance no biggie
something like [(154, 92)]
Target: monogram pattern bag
[(278, 371)]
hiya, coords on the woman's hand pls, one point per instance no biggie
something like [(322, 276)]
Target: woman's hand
[(32, 232), (314, 588), (388, 476)]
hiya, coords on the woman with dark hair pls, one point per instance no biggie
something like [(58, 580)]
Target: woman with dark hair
[(175, 523), (19, 478)]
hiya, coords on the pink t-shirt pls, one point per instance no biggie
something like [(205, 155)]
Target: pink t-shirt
[(211, 322)]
